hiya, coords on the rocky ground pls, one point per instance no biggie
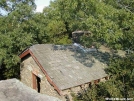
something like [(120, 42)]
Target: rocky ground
[(14, 90)]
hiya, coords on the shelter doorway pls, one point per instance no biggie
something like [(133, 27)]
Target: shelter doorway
[(36, 82)]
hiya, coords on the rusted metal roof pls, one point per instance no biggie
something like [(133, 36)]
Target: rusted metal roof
[(68, 66)]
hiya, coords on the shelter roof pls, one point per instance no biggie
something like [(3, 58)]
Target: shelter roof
[(70, 65)]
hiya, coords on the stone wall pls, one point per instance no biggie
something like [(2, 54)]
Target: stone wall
[(29, 66), (75, 90), (78, 89), (25, 73)]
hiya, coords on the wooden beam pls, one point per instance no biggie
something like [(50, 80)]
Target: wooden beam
[(24, 53), (34, 81)]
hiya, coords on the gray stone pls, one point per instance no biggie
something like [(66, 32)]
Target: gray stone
[(14, 90)]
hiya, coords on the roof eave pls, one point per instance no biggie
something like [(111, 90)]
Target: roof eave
[(24, 53)]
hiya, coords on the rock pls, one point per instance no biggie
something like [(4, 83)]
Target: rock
[(14, 90)]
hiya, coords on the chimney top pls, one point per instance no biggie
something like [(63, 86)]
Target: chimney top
[(77, 34)]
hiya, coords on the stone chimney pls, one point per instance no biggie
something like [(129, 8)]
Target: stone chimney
[(76, 35)]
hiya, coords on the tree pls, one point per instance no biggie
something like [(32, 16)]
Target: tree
[(128, 5), (122, 71), (57, 27), (101, 18), (14, 38)]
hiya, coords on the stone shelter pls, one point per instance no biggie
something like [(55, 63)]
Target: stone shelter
[(59, 70)]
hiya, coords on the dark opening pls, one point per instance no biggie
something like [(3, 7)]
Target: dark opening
[(38, 83), (67, 97)]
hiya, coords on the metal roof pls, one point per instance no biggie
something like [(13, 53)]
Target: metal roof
[(67, 65)]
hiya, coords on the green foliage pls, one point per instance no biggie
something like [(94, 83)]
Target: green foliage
[(110, 21), (14, 38), (122, 71), (36, 26), (128, 5), (57, 24)]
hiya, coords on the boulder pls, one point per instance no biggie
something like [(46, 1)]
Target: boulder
[(14, 90)]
